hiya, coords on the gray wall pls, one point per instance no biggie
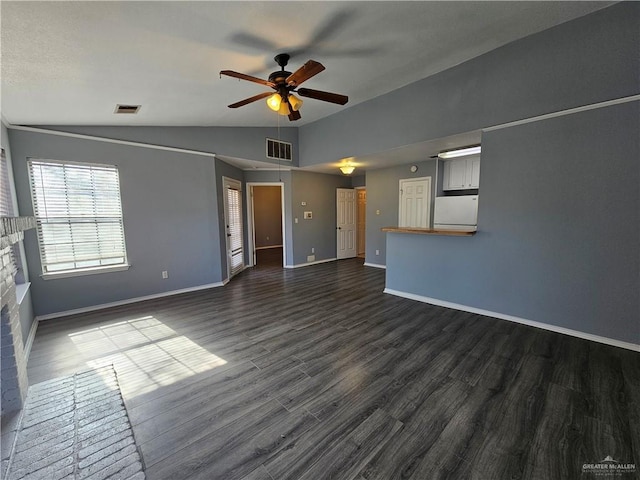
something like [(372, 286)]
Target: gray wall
[(248, 143), (559, 228), (168, 202), (588, 60), (383, 188), (558, 219), (319, 192), (359, 180)]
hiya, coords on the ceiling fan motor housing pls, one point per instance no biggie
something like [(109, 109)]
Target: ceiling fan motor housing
[(279, 77), (282, 59)]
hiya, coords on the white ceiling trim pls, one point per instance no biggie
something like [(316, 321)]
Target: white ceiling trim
[(562, 113), (111, 140)]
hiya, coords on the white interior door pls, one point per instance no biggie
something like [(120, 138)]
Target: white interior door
[(346, 222), (233, 222), (415, 202)]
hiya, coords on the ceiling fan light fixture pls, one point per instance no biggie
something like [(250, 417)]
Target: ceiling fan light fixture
[(274, 102), (284, 109), (295, 102), (284, 83)]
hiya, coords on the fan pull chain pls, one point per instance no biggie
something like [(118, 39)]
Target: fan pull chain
[(279, 174)]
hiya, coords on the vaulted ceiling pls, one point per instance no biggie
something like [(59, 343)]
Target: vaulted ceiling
[(70, 63)]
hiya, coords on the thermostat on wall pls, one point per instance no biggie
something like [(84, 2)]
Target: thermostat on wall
[(308, 215)]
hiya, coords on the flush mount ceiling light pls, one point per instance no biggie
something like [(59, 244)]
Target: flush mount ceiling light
[(461, 152), (347, 169)]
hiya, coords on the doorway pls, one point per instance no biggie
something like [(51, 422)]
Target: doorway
[(265, 226), (233, 222)]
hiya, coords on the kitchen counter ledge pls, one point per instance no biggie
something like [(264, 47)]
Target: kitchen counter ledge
[(430, 231)]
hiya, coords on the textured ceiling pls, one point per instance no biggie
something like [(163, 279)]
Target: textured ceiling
[(70, 63)]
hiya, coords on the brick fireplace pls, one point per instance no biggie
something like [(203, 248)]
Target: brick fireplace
[(14, 364)]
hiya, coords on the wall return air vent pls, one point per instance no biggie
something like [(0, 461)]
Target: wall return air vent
[(279, 150), (127, 108)]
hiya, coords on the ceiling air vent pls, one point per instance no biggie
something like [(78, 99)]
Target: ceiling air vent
[(127, 108), (278, 150)]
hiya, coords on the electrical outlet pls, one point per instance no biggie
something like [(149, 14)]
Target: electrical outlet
[(295, 220), (377, 252), (165, 274), (377, 212), (311, 258), (308, 215)]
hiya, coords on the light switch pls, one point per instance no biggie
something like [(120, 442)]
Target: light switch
[(295, 220), (304, 204), (308, 215)]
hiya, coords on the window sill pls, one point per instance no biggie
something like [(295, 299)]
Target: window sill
[(430, 231), (21, 291), (83, 272)]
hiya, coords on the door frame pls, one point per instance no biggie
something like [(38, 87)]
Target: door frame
[(363, 187), (226, 182), (429, 197), (251, 226)]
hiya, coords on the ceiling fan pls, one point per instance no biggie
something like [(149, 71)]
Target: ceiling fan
[(285, 83)]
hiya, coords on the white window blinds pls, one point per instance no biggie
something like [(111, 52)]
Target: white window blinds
[(234, 234), (79, 215)]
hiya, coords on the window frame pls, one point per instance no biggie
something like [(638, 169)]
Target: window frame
[(77, 271)]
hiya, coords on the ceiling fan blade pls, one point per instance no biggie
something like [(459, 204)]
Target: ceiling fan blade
[(244, 76), (246, 101), (304, 73), (293, 114), (324, 96), (253, 41)]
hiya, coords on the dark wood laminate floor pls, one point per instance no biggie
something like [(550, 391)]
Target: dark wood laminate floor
[(313, 373)]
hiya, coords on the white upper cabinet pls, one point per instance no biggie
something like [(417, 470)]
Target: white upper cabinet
[(461, 173)]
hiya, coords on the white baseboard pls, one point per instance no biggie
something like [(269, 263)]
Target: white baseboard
[(31, 338), (326, 260), (511, 318), (374, 265), (102, 306)]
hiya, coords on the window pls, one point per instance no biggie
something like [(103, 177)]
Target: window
[(79, 216)]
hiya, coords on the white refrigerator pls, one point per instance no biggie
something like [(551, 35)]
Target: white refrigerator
[(456, 213)]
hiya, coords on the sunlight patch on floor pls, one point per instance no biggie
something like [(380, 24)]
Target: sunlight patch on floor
[(146, 354)]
